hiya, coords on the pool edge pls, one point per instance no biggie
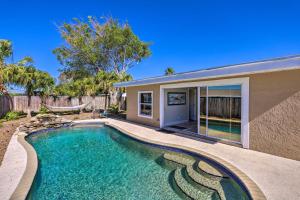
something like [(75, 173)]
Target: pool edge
[(254, 191), (27, 179)]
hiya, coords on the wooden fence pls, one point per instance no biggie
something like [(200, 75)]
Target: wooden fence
[(6, 104), (19, 103), (228, 107)]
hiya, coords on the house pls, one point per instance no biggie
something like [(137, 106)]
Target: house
[(252, 105)]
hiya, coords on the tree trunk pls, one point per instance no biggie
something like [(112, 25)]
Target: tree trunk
[(109, 100), (94, 106), (119, 97), (29, 107), (94, 103), (105, 101), (80, 102)]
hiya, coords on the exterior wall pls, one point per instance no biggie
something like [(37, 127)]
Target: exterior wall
[(176, 113), (274, 111), (132, 105)]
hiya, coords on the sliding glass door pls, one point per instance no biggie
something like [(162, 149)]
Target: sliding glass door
[(220, 112)]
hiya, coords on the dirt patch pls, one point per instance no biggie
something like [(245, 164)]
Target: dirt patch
[(8, 128), (6, 131)]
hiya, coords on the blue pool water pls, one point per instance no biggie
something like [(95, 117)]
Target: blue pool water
[(98, 163)]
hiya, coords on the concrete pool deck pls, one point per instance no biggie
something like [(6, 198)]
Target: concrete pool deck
[(278, 178)]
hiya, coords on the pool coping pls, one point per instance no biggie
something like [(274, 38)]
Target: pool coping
[(27, 179)]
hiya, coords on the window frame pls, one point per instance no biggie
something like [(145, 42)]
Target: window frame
[(139, 104)]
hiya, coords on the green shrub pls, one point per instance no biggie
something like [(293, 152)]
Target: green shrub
[(12, 115), (114, 109), (43, 110)]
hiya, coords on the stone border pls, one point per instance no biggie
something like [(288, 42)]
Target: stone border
[(26, 181)]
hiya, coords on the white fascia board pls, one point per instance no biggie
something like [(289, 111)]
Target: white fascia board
[(234, 70)]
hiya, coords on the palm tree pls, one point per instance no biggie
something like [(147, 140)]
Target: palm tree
[(24, 74), (106, 81), (92, 89), (5, 52), (169, 71), (122, 77), (46, 85)]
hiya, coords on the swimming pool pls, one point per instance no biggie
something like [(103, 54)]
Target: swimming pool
[(103, 163)]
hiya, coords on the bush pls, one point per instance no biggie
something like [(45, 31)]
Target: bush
[(43, 110), (114, 109), (12, 115)]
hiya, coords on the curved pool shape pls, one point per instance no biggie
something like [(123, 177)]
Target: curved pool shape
[(103, 163)]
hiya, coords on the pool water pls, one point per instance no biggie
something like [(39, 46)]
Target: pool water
[(98, 163)]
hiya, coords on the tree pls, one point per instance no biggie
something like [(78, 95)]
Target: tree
[(106, 81), (24, 74), (94, 46), (5, 52), (169, 71), (92, 89)]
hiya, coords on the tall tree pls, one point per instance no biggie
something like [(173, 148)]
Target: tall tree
[(5, 52), (169, 71), (92, 45), (25, 75)]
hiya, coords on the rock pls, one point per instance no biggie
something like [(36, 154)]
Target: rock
[(44, 121)]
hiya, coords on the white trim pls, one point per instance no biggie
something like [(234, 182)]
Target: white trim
[(245, 114), (244, 82), (139, 103), (161, 107), (198, 110), (206, 110), (219, 82), (274, 65)]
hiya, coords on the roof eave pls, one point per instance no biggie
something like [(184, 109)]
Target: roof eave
[(236, 70)]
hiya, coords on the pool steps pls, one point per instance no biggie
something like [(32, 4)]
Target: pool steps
[(190, 190), (180, 159), (195, 173), (207, 182), (210, 171)]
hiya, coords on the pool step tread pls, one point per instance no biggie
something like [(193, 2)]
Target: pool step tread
[(190, 190), (210, 170), (205, 181), (179, 158)]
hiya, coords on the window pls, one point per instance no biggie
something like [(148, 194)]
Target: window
[(145, 104)]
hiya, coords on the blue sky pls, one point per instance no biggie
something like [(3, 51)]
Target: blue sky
[(186, 34)]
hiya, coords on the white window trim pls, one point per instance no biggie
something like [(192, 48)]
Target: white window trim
[(244, 82), (139, 103)]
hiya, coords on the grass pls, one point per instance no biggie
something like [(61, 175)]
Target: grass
[(12, 115)]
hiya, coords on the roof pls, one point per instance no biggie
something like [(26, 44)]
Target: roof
[(272, 65)]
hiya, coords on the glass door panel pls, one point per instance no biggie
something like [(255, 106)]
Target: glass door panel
[(203, 113), (223, 114)]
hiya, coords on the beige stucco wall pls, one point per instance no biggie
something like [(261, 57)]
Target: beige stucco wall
[(275, 113), (132, 105), (274, 117)]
